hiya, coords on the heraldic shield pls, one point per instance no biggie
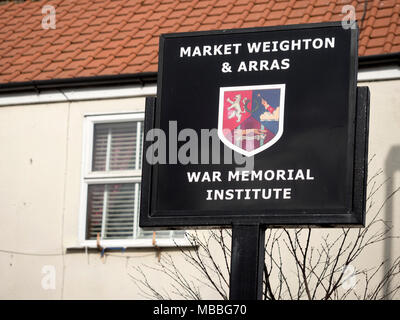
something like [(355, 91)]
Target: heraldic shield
[(250, 118)]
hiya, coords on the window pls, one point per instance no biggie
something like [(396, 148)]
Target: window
[(111, 183)]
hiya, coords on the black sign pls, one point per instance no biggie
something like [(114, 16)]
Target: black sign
[(256, 125)]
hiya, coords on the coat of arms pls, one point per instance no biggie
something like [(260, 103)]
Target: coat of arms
[(251, 117)]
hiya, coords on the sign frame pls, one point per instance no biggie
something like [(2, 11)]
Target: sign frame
[(352, 218)]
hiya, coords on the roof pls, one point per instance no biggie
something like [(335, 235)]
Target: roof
[(113, 37)]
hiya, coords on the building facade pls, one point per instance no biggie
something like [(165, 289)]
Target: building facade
[(72, 102)]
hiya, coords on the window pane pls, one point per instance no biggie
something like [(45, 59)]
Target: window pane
[(115, 146), (123, 146), (100, 147), (113, 205), (94, 210)]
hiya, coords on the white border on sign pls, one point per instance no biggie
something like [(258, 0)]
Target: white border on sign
[(221, 136)]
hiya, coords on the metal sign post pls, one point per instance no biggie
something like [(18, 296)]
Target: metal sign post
[(247, 262)]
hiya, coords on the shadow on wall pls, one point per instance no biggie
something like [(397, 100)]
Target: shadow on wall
[(392, 165)]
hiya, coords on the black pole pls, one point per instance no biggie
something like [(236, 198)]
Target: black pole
[(247, 262)]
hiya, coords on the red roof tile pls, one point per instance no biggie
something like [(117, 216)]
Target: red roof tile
[(106, 37)]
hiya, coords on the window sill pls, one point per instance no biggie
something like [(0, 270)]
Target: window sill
[(131, 244)]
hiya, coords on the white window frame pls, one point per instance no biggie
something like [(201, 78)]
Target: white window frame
[(129, 176)]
